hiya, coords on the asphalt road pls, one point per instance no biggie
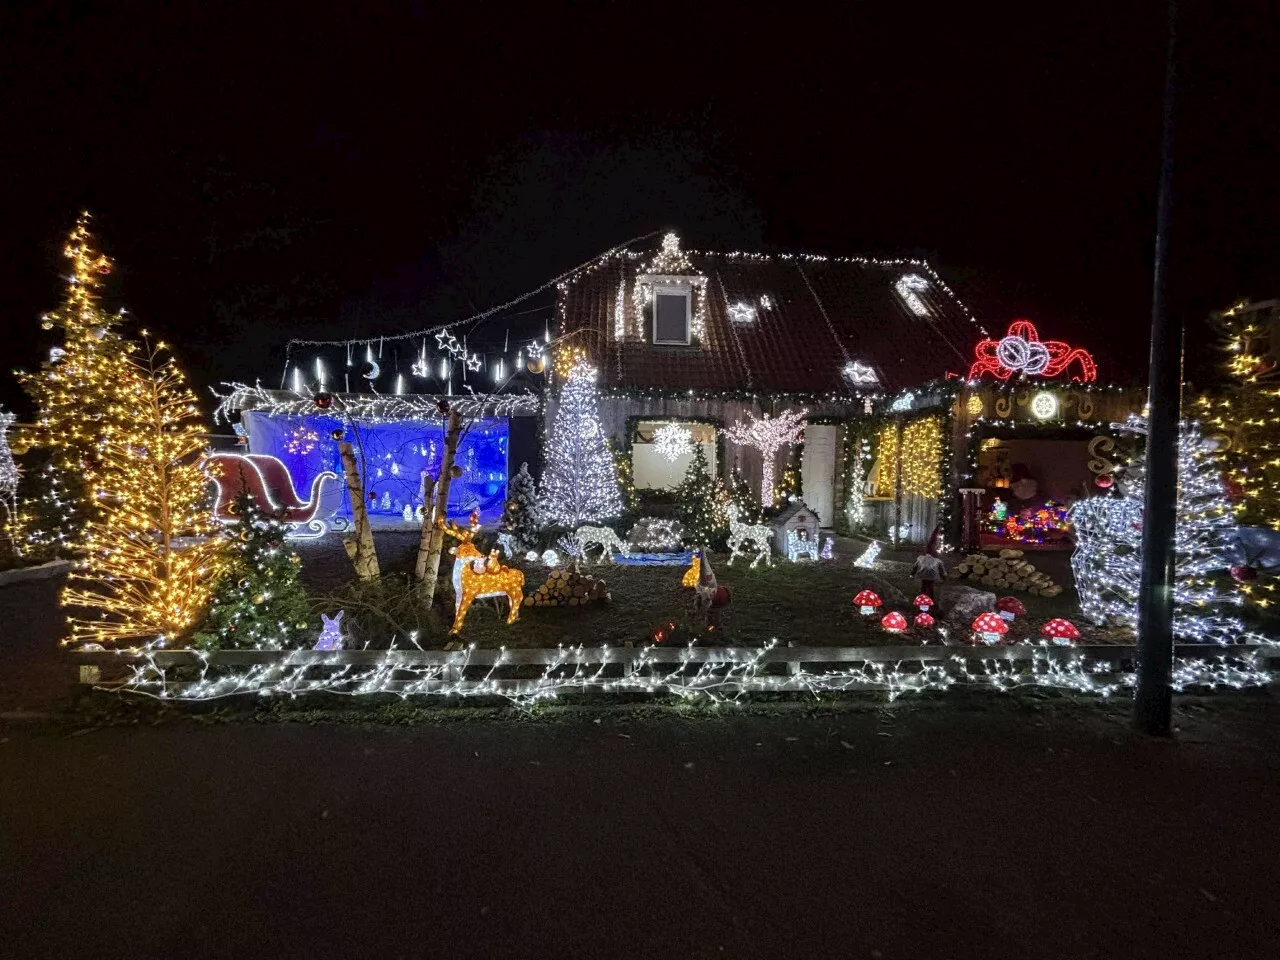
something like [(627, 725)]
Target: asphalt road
[(982, 827)]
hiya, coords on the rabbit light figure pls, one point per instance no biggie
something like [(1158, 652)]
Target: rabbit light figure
[(330, 633)]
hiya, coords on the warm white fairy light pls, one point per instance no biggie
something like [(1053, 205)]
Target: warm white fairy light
[(673, 441), (1107, 561), (768, 435)]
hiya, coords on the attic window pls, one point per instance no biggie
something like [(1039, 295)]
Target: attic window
[(671, 315), (908, 287)]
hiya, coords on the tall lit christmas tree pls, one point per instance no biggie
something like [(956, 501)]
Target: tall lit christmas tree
[(144, 583), (580, 482), (1251, 414), (1107, 562), (76, 394), (258, 602), (696, 502)]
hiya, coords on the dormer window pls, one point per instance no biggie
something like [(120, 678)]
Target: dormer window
[(671, 314)]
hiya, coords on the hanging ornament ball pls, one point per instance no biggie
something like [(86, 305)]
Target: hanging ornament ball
[(372, 496), (1233, 490), (245, 535), (442, 407), (324, 400), (1244, 574), (244, 584), (536, 364), (295, 560), (260, 598), (721, 597), (455, 471), (338, 433), (370, 370), (1103, 481)]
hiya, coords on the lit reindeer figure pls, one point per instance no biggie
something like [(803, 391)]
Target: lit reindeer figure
[(476, 577), (757, 534), (601, 537)]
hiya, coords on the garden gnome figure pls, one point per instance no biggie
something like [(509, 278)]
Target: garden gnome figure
[(928, 567), (704, 594)]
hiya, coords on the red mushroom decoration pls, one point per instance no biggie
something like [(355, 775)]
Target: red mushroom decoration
[(924, 619), (923, 601), (989, 627), (1244, 574), (894, 622), (866, 602), (1060, 631), (1010, 607)]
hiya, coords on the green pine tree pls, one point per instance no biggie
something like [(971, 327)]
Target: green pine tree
[(258, 603), (520, 517), (789, 485), (739, 492), (696, 503)]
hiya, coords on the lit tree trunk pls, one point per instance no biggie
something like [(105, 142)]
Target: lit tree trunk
[(360, 544), (428, 525), (431, 568)]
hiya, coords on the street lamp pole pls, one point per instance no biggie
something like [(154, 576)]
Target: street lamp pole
[(1153, 700)]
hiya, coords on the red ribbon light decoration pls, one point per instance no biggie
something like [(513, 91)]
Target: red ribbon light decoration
[(1022, 351)]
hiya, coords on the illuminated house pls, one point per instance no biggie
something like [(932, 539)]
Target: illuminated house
[(698, 341)]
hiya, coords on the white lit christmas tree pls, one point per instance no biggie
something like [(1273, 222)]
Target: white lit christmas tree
[(1108, 557), (580, 483)]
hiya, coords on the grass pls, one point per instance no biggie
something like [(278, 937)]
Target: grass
[(806, 604)]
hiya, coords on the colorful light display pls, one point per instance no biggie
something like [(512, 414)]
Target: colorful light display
[(1022, 351)]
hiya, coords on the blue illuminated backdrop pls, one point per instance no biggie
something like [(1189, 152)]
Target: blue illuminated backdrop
[(396, 455)]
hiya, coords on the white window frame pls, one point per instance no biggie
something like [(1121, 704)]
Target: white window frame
[(680, 290)]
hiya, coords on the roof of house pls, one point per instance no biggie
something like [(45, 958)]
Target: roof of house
[(792, 323)]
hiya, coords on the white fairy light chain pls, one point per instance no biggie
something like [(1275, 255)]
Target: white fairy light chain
[(374, 408), (729, 680)]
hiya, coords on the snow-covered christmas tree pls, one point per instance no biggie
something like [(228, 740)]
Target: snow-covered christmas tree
[(696, 502), (580, 483), (521, 517), (1108, 557)]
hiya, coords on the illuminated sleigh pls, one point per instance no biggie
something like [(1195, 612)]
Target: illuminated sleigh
[(268, 483)]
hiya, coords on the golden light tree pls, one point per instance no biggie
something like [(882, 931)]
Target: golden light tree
[(76, 397), (144, 583), (1251, 415)]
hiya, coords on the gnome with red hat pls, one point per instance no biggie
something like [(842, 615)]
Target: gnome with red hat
[(709, 597)]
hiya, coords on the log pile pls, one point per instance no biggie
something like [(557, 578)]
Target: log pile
[(567, 588), (1008, 571)]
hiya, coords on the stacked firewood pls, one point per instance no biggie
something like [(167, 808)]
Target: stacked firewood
[(1008, 571), (567, 588)]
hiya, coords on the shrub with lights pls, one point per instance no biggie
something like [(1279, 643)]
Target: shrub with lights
[(696, 503), (258, 602), (521, 517)]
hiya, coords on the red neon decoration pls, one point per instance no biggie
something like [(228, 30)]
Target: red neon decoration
[(1022, 351)]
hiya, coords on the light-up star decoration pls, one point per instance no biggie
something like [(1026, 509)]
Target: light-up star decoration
[(673, 441), (1022, 351), (907, 287), (742, 312), (859, 374), (420, 367)]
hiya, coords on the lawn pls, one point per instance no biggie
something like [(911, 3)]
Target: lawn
[(804, 604)]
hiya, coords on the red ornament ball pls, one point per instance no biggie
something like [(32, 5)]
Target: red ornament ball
[(323, 400), (1103, 481), (1244, 574)]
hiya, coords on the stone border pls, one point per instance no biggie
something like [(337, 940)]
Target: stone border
[(41, 572)]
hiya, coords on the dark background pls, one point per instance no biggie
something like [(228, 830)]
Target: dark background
[(267, 171)]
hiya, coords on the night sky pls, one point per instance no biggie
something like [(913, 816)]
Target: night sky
[(379, 167)]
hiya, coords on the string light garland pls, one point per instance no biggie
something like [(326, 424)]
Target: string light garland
[(768, 435), (727, 675), (152, 492), (9, 486), (368, 408), (921, 458)]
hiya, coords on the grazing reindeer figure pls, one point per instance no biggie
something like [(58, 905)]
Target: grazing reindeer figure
[(757, 534), (601, 537), (476, 577)]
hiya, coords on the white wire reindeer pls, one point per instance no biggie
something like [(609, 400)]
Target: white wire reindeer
[(757, 534), (601, 537)]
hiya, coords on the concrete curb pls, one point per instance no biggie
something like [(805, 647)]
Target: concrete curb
[(42, 572)]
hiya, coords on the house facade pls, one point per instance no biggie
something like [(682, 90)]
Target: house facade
[(706, 340)]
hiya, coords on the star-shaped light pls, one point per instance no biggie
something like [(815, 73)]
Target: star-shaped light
[(420, 368), (473, 362), (857, 372)]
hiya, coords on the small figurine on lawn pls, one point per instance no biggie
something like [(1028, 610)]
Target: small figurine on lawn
[(709, 598)]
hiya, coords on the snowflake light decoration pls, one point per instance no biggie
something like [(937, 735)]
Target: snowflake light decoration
[(672, 441)]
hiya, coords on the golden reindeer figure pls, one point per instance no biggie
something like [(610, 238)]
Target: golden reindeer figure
[(476, 577)]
